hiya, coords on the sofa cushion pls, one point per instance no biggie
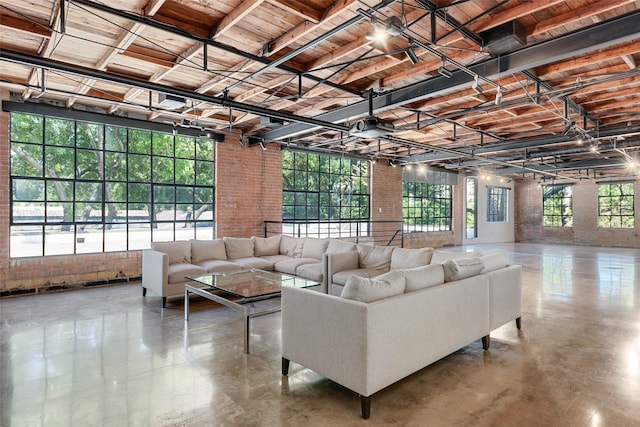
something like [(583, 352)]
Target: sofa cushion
[(254, 262), (422, 277), (291, 246), (378, 257), (263, 246), (410, 258), (369, 290), (314, 248), (289, 266), (217, 265), (203, 250), (456, 269), (338, 246), (439, 256), (238, 247), (311, 271), (493, 261), (178, 251), (178, 272), (341, 277)]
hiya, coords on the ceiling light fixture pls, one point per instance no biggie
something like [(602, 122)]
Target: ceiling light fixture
[(443, 71), (411, 54), (499, 96), (393, 26), (262, 145), (476, 86), (392, 163)]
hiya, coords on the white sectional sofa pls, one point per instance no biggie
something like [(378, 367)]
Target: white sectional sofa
[(371, 261), (395, 324), (167, 264)]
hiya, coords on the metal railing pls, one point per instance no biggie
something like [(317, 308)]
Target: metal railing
[(385, 233)]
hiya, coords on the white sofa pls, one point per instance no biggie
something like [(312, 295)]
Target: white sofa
[(371, 261), (386, 328), (167, 264)]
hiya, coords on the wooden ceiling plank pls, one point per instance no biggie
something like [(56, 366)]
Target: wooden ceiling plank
[(305, 27), (262, 88), (23, 26), (152, 7), (237, 14), (223, 79), (586, 11), (299, 8)]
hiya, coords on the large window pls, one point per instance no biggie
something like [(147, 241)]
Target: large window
[(615, 205), (426, 207), (472, 208), (80, 187), (324, 188), (557, 206), (497, 203)]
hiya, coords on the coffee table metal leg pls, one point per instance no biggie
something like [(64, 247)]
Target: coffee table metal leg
[(186, 304), (245, 312)]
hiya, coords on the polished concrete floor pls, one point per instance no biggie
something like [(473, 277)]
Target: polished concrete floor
[(108, 357)]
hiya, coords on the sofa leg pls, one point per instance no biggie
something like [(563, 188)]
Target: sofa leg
[(144, 291), (285, 366), (519, 322), (164, 302), (486, 341), (365, 404)]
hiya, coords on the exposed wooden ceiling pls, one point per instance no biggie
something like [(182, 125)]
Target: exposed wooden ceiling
[(304, 74)]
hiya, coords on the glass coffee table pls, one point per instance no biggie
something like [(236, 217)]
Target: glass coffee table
[(239, 289)]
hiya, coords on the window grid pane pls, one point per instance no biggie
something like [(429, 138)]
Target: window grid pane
[(80, 187), (426, 207), (616, 205), (557, 206), (497, 202), (326, 188)]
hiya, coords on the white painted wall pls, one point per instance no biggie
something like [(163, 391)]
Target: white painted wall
[(491, 232)]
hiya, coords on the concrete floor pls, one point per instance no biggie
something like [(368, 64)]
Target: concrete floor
[(108, 357)]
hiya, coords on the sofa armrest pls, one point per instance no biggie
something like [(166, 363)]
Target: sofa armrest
[(505, 295), (155, 271), (339, 262), (318, 330)]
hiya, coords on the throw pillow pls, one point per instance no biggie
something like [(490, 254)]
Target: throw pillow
[(204, 250), (439, 256), (456, 269), (369, 290), (410, 258), (238, 247), (178, 251), (314, 248), (338, 246), (263, 246), (378, 257), (493, 261), (291, 246), (422, 277)]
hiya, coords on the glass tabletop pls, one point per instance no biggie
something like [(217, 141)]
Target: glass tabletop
[(250, 282)]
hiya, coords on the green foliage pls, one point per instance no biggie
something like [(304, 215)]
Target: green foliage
[(427, 205), (319, 187), (616, 205), (92, 171)]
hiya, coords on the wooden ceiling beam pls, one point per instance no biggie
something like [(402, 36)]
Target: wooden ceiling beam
[(583, 12), (299, 8), (305, 27), (236, 15), (23, 26)]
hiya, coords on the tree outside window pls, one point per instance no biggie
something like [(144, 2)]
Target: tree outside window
[(557, 206), (616, 205), (80, 187)]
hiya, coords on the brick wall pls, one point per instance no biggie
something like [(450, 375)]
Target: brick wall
[(585, 231), (249, 188), (55, 272)]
